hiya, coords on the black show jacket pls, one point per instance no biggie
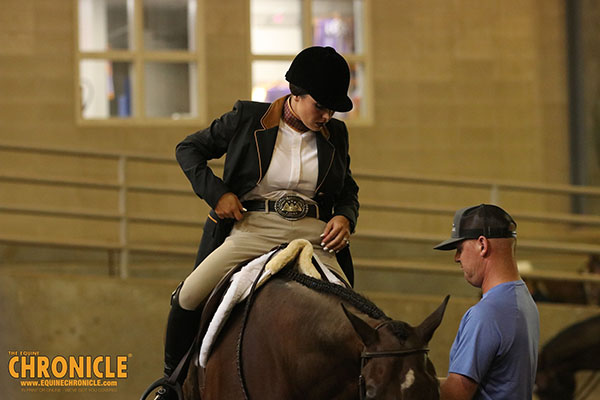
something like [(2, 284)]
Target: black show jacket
[(247, 136)]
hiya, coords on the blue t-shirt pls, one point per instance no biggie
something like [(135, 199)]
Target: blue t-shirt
[(497, 343)]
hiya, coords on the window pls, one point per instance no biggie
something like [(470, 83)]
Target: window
[(138, 60), (281, 28)]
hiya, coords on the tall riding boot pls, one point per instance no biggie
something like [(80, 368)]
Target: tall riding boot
[(182, 327)]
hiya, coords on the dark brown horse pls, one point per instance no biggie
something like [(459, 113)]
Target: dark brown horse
[(574, 349), (303, 338)]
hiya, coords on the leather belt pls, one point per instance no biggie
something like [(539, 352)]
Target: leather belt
[(291, 208)]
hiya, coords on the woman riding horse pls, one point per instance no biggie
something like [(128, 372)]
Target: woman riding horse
[(286, 176)]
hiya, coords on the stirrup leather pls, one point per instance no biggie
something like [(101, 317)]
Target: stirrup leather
[(163, 384)]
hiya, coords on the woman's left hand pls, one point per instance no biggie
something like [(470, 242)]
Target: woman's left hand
[(336, 235)]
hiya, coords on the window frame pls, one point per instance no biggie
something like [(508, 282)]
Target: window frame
[(307, 40), (138, 56)]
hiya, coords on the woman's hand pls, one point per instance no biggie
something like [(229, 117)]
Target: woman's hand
[(229, 206), (336, 235)]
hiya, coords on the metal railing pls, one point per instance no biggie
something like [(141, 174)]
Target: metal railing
[(124, 188)]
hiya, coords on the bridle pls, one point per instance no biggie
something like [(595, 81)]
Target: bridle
[(365, 356)]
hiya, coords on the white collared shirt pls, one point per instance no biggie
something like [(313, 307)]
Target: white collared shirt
[(294, 167)]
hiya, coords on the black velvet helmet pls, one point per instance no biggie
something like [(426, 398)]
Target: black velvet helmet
[(324, 74)]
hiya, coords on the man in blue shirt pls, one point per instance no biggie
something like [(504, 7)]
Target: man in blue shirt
[(494, 355)]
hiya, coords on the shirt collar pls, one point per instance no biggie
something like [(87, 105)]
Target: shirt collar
[(290, 117)]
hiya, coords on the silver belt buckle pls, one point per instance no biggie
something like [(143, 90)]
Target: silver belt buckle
[(291, 208)]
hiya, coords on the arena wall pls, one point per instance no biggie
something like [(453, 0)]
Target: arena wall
[(469, 89)]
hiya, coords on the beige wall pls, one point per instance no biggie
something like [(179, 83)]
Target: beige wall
[(590, 43), (463, 88), (468, 88), (472, 88)]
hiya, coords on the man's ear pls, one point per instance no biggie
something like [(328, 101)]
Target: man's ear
[(484, 245)]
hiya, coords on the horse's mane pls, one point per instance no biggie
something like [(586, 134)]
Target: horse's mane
[(353, 298)]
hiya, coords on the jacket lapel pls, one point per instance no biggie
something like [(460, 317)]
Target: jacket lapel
[(266, 136), (325, 155)]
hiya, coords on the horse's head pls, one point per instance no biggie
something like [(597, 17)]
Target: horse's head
[(394, 361)]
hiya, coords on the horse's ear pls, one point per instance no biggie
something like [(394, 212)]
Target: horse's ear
[(431, 323), (367, 334)]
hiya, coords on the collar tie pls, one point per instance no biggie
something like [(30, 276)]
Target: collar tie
[(290, 117)]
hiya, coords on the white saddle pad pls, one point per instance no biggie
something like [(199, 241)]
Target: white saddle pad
[(241, 284)]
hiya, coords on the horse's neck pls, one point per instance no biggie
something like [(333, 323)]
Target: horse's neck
[(576, 347), (310, 329)]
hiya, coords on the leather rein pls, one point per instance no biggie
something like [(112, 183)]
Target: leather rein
[(365, 356)]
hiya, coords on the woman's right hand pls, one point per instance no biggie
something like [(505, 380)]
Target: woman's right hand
[(229, 206)]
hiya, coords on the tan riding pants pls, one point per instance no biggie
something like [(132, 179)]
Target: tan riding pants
[(254, 235)]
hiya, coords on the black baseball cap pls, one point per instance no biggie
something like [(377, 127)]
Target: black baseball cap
[(483, 220)]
